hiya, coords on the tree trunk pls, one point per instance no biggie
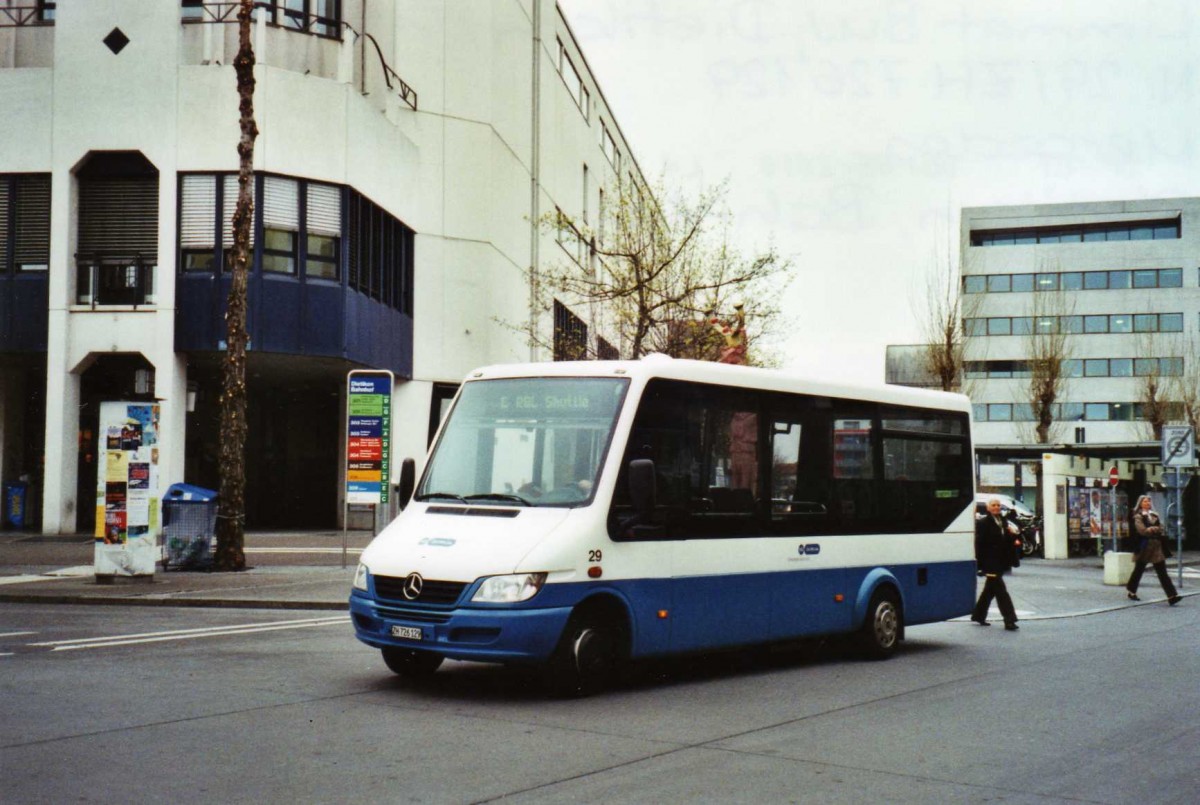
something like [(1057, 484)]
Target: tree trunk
[(231, 518)]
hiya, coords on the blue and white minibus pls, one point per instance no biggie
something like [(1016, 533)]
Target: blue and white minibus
[(576, 515)]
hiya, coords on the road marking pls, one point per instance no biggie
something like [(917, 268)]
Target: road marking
[(50, 575), (301, 550), (186, 634), (15, 634), (26, 579)]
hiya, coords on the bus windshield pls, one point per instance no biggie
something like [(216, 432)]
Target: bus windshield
[(525, 441)]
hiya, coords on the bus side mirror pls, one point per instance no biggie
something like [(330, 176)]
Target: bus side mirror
[(408, 480), (643, 489)]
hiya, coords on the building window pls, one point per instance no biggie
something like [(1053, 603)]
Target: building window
[(380, 255), (609, 146), (606, 351), (193, 10), (323, 231), (47, 10), (24, 222), (1142, 278), (1166, 229), (320, 17), (1088, 325), (571, 79), (280, 225), (117, 230), (292, 233), (570, 334)]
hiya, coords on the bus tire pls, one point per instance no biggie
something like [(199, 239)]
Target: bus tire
[(882, 627), (587, 656), (411, 664)]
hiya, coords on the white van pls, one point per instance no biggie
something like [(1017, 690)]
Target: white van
[(575, 515)]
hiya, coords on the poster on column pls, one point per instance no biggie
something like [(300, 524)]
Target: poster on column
[(127, 501)]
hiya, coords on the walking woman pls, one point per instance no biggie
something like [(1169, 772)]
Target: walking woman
[(995, 550), (1150, 535)]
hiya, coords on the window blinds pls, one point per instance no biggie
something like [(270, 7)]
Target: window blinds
[(198, 216), (228, 205), (32, 196), (117, 217), (324, 210), (281, 204)]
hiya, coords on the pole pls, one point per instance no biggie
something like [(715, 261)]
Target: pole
[(1112, 517), (1178, 530)]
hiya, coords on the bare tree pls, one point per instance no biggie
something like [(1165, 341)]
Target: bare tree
[(1048, 349), (1153, 388), (230, 553), (658, 267), (1184, 387), (945, 309)]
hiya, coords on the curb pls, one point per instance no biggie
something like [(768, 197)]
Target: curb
[(195, 603)]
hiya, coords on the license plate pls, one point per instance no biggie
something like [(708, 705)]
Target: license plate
[(408, 632)]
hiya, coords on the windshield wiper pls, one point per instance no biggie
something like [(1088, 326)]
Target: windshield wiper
[(500, 496), (429, 495)]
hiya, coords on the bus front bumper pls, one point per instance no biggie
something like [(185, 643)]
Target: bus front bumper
[(505, 635)]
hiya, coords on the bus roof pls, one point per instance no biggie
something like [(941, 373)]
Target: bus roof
[(722, 374)]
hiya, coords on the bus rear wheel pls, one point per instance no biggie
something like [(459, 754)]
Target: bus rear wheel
[(411, 664), (587, 657), (882, 627)]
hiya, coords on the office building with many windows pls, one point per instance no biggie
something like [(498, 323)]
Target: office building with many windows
[(408, 152), (1118, 281)]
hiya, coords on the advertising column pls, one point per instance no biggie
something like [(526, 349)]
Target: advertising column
[(127, 500)]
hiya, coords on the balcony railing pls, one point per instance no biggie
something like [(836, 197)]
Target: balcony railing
[(127, 282), (27, 15), (276, 15)]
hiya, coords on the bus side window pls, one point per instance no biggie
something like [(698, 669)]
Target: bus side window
[(785, 463)]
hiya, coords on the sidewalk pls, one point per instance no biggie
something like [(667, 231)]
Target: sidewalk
[(286, 570), (302, 570)]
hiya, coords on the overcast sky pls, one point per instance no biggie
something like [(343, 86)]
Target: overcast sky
[(853, 131)]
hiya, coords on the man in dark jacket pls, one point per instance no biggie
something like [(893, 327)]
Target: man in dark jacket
[(995, 539)]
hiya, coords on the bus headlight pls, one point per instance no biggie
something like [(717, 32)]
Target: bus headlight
[(509, 589), (360, 577)]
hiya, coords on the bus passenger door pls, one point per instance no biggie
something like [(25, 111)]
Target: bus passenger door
[(808, 572), (720, 578)]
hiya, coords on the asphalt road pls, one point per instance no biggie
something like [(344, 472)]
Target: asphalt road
[(170, 705), (109, 704)]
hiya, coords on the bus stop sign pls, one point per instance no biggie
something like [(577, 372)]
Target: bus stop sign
[(1178, 446)]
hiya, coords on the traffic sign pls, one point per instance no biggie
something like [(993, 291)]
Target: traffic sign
[(1178, 446), (1113, 477)]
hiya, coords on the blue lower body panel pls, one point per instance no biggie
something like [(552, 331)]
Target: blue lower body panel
[(701, 612)]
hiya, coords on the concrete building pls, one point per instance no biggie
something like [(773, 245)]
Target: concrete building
[(1118, 279), (407, 152)]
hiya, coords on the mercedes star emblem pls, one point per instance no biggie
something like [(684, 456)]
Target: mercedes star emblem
[(412, 586)]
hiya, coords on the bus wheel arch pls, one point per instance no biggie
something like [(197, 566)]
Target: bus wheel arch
[(594, 644)]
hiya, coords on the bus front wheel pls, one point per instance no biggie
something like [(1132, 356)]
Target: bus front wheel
[(411, 664), (587, 656), (882, 627)]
